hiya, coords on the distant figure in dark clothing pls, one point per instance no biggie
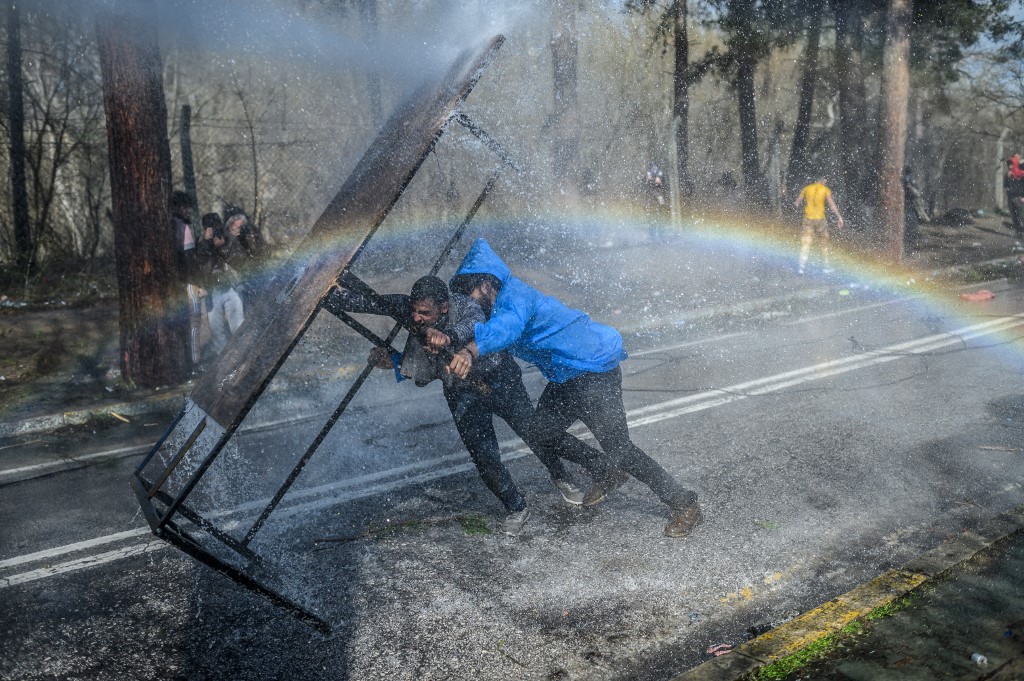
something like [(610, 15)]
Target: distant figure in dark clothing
[(181, 207), (252, 254), (654, 200), (1014, 185), (914, 211), (221, 254)]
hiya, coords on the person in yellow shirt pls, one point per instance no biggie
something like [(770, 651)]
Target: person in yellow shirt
[(814, 197)]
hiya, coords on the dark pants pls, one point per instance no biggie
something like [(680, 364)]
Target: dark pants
[(596, 400), (1015, 214), (503, 394)]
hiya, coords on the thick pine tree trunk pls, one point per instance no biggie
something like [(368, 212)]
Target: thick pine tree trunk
[(681, 93), (153, 318), (893, 133), (753, 183), (854, 147), (798, 169), (23, 255), (565, 121), (741, 13)]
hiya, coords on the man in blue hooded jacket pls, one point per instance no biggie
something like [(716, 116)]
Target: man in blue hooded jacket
[(580, 358), (494, 388)]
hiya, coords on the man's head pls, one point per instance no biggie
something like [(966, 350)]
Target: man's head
[(428, 301), (236, 222), (483, 288), (181, 205), (213, 228)]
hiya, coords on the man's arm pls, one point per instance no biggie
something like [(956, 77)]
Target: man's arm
[(394, 305), (799, 199), (502, 330), (835, 209)]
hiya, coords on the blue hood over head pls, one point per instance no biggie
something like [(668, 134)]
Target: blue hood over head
[(481, 259), (561, 341)]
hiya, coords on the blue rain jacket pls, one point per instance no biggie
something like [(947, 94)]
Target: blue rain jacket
[(562, 342)]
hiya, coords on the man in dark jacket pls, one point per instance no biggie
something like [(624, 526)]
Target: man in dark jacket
[(493, 388), (580, 358), (220, 254), (181, 207), (1013, 182)]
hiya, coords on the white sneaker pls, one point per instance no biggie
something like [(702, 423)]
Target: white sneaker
[(570, 492), (514, 522)]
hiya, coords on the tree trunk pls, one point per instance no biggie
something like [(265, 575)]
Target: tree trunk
[(798, 169), (752, 180), (564, 54), (153, 318), (681, 95), (853, 145), (23, 255), (1000, 167), (741, 15), (893, 133)]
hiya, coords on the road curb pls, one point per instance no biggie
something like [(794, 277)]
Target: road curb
[(51, 422), (829, 618)]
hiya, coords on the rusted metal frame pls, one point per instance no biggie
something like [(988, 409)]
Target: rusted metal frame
[(160, 442), (355, 283), (465, 223), (351, 281), (190, 484), (173, 534), (489, 142), (230, 431), (200, 427), (208, 527), (139, 487), (363, 331), (310, 450)]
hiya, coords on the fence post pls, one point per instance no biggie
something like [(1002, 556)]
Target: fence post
[(187, 169)]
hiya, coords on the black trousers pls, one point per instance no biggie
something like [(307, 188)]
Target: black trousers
[(596, 400), (1015, 213), (503, 394)]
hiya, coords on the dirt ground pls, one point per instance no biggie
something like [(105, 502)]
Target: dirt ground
[(51, 352)]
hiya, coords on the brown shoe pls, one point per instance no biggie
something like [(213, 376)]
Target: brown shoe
[(683, 520), (602, 488)]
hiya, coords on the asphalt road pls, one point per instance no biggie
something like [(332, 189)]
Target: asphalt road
[(829, 439)]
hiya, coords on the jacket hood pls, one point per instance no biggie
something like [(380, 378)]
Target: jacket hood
[(481, 259)]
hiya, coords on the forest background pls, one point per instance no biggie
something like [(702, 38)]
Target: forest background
[(739, 102)]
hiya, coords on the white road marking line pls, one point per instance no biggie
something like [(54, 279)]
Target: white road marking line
[(71, 548), (637, 417), (66, 461), (687, 344), (851, 310), (81, 563)]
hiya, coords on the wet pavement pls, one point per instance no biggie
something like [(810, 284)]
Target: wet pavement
[(955, 612), (589, 595), (969, 625)]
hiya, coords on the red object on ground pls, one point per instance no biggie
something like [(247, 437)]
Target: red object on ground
[(978, 296)]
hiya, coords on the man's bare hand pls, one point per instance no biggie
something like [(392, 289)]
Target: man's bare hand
[(435, 340), (461, 363), (380, 358)]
